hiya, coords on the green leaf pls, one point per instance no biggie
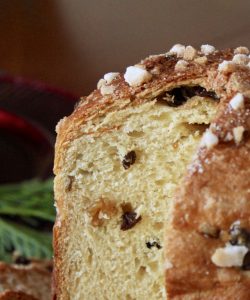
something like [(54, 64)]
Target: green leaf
[(23, 207), (28, 199), (28, 242)]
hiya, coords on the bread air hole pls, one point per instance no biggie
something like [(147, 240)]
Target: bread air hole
[(180, 95)]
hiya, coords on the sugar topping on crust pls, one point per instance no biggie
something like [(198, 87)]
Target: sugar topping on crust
[(178, 49), (241, 50), (241, 59), (207, 49), (227, 67), (237, 101), (109, 77), (238, 133), (181, 65), (189, 53), (209, 139), (229, 256), (136, 76)]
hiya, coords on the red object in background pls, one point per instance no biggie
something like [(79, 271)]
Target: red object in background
[(29, 112)]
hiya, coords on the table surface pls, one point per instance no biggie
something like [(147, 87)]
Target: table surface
[(71, 44)]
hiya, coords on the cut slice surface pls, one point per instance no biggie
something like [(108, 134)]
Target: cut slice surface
[(117, 182)]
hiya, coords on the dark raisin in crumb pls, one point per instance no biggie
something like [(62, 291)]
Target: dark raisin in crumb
[(129, 219), (239, 236), (69, 183), (246, 261), (129, 159), (22, 260), (153, 244), (49, 268)]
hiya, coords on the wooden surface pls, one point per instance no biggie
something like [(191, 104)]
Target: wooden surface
[(71, 44)]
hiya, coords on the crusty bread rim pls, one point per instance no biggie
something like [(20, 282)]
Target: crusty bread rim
[(181, 282)]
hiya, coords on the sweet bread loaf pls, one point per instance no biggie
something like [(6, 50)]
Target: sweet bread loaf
[(152, 182)]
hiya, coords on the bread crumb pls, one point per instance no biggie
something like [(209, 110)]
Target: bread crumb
[(230, 256), (227, 67), (238, 134), (207, 49), (177, 49), (241, 50), (168, 265), (109, 77), (209, 140), (201, 60), (181, 65), (189, 53), (237, 101), (241, 59), (107, 89), (136, 76)]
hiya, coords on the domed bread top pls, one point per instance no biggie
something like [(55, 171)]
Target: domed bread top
[(215, 191)]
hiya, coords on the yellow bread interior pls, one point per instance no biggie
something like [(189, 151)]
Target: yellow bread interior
[(102, 261)]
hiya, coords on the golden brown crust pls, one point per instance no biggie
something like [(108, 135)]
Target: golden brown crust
[(219, 175)]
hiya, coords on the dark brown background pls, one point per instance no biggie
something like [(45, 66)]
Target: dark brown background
[(72, 43)]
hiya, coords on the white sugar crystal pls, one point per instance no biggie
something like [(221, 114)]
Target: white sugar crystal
[(237, 101), (136, 76), (189, 53), (228, 137), (181, 65), (109, 77), (238, 134), (241, 50), (209, 139), (230, 256), (201, 60), (107, 89), (241, 59), (178, 49), (100, 83), (207, 49), (227, 67)]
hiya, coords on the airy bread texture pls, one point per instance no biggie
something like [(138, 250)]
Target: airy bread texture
[(120, 158), (25, 282)]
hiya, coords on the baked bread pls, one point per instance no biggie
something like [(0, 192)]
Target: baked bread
[(152, 182), (11, 295), (25, 280)]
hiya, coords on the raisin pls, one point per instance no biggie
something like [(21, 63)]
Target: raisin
[(22, 260), (69, 183), (129, 159), (153, 244), (129, 220), (246, 261), (239, 236)]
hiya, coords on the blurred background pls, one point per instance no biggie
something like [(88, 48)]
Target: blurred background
[(54, 51), (71, 44)]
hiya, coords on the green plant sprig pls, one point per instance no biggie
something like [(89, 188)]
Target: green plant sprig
[(30, 201)]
